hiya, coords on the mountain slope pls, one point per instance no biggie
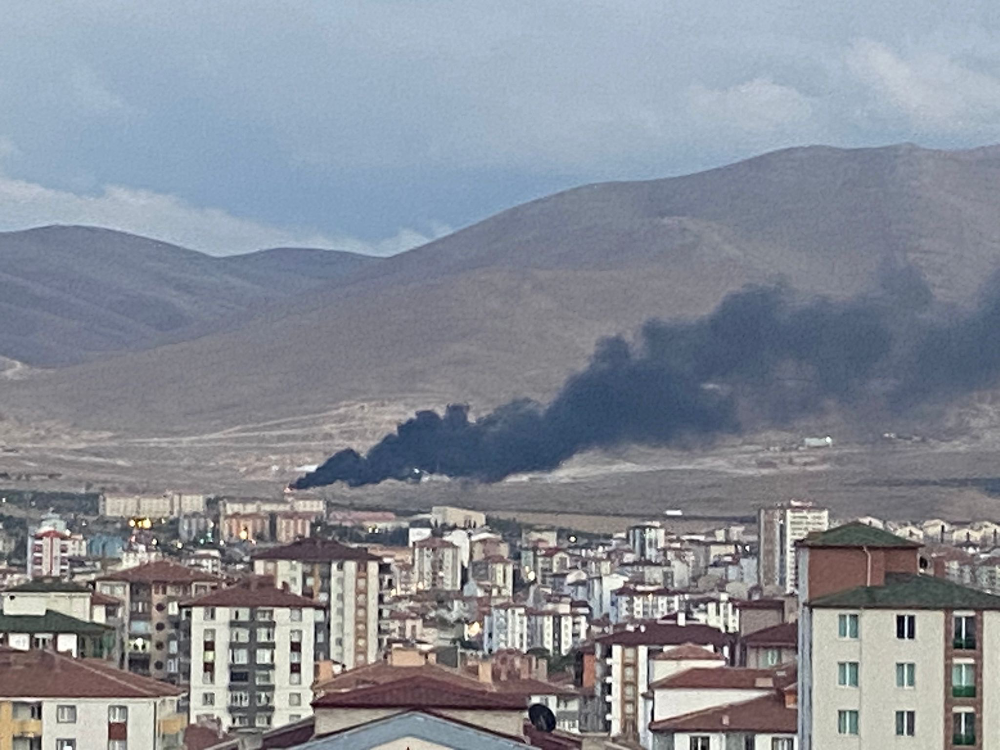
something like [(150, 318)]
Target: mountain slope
[(510, 306), (69, 293)]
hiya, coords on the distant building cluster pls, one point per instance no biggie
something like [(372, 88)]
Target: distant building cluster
[(189, 621)]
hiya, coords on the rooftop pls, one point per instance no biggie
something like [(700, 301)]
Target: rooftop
[(728, 678), (422, 692), (665, 634), (910, 591), (313, 549), (44, 674), (769, 714), (689, 652), (253, 593), (50, 622), (45, 585), (786, 634), (161, 571), (857, 534)]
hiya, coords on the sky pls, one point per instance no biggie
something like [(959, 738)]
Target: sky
[(234, 125)]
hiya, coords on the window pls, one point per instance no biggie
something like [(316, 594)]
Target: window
[(263, 720), (241, 676), (906, 627), (847, 674), (209, 635), (118, 714), (294, 717), (117, 745), (772, 657), (295, 699), (963, 727), (265, 614), (963, 680), (239, 698), (239, 656), (295, 636), (208, 699), (295, 678), (241, 614), (66, 714), (265, 699), (847, 722), (781, 743), (295, 614), (265, 635), (965, 632), (699, 742), (847, 626), (906, 723), (209, 613), (65, 744), (240, 635), (265, 656), (906, 674), (265, 677), (241, 720)]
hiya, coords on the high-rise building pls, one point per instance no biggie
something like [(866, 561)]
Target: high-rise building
[(779, 528), (345, 580), (253, 652), (437, 564), (647, 540), (889, 655), (151, 595), (50, 552)]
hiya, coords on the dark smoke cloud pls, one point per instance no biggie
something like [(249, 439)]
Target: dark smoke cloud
[(760, 354)]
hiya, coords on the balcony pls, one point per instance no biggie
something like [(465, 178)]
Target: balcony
[(963, 691), (964, 740)]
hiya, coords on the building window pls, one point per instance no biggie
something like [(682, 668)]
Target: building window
[(963, 728), (240, 635), (65, 744), (265, 677), (847, 722), (265, 635), (239, 698), (265, 699), (209, 613), (262, 720), (295, 614), (847, 626), (117, 745), (66, 714), (779, 743), (265, 656), (772, 657), (906, 723), (847, 674), (295, 636), (963, 680), (965, 632), (906, 674), (118, 714), (294, 717), (906, 627), (241, 720), (208, 699), (242, 614), (295, 699), (265, 614), (295, 678), (698, 742), (239, 656)]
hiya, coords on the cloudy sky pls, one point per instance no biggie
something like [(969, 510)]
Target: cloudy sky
[(233, 125)]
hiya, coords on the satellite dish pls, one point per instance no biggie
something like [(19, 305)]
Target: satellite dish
[(542, 718)]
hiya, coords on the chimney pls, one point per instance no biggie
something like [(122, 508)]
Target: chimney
[(485, 672), (725, 720), (681, 617)]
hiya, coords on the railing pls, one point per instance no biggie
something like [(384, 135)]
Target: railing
[(964, 739)]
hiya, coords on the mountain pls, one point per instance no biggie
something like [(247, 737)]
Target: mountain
[(510, 306), (69, 293)]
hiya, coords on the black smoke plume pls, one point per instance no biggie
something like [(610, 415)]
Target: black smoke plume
[(761, 359)]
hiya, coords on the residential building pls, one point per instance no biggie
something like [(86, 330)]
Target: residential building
[(506, 626), (437, 565), (343, 579), (770, 647), (495, 573), (779, 528), (558, 628), (54, 631), (623, 670), (170, 505), (50, 701), (50, 552), (647, 540), (463, 518), (253, 650), (151, 595), (890, 655)]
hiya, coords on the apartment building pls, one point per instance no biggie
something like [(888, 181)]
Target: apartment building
[(779, 528), (889, 655), (170, 505), (495, 574), (647, 540), (50, 552), (506, 626), (53, 702), (560, 627), (253, 650), (151, 595), (437, 564), (345, 580), (623, 668)]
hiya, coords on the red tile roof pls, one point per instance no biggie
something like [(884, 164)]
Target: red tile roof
[(728, 678), (381, 673), (422, 692), (44, 674), (530, 686), (786, 635), (767, 714), (314, 550), (97, 598), (161, 571), (665, 634), (435, 542), (689, 652), (251, 593)]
